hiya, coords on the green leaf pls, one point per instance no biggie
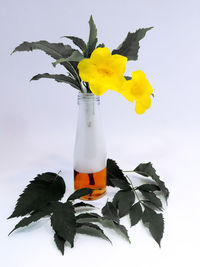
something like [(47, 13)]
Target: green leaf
[(44, 189), (60, 243), (147, 170), (77, 41), (149, 204), (91, 229), (59, 78), (35, 216), (90, 216), (92, 37), (101, 45), (76, 56), (80, 193), (155, 223), (83, 204), (153, 199), (127, 78), (63, 221), (114, 172), (130, 46), (148, 187), (122, 229), (123, 200), (110, 212), (55, 50), (121, 184), (135, 213)]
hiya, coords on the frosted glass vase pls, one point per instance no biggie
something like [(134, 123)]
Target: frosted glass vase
[(90, 150)]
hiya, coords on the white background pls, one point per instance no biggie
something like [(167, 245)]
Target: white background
[(38, 121)]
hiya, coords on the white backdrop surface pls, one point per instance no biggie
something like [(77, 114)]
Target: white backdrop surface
[(38, 121)]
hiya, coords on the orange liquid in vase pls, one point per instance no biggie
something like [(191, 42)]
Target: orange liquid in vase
[(96, 180)]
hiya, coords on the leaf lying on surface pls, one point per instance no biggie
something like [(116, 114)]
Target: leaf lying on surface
[(114, 172), (155, 223), (130, 46), (123, 200), (83, 204), (91, 229), (153, 199), (109, 211), (80, 193), (135, 213), (35, 216), (63, 221), (148, 187), (146, 169), (60, 243), (41, 198), (44, 189)]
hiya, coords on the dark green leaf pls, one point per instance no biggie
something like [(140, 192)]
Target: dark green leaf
[(148, 187), (92, 37), (75, 56), (44, 189), (130, 46), (35, 216), (135, 213), (121, 184), (63, 221), (123, 230), (127, 78), (114, 172), (55, 50), (91, 229), (59, 78), (90, 216), (101, 45), (60, 243), (83, 204), (123, 200), (155, 223), (77, 41), (80, 193), (152, 198), (110, 212), (151, 205), (146, 169)]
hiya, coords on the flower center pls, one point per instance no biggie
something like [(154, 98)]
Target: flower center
[(105, 72)]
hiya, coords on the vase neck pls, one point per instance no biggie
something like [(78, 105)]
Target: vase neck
[(88, 98)]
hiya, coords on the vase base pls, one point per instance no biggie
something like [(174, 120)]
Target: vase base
[(96, 180)]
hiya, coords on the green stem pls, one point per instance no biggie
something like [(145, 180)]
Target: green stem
[(134, 189), (79, 80)]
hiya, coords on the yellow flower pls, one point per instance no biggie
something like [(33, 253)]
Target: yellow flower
[(103, 71), (138, 89)]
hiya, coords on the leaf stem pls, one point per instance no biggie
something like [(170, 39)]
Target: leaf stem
[(79, 80), (134, 190)]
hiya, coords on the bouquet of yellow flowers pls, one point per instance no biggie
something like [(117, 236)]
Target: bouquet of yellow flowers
[(94, 69)]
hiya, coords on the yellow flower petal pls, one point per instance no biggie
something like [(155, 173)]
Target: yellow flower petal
[(103, 71), (142, 104), (139, 89)]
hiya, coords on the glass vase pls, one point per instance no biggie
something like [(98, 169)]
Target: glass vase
[(90, 150)]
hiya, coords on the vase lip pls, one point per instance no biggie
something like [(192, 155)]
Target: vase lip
[(88, 97)]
